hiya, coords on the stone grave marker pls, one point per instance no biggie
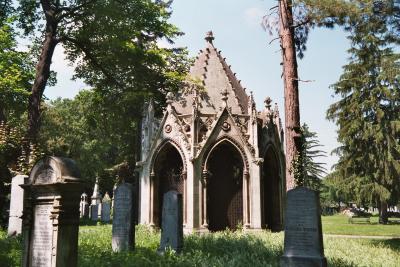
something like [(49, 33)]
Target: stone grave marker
[(51, 214), (172, 222), (123, 231), (16, 205), (94, 212), (84, 206), (106, 208), (303, 244)]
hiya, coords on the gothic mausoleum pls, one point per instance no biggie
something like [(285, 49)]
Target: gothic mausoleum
[(214, 147)]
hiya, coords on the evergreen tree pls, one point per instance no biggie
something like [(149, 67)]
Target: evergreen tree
[(313, 170), (368, 114)]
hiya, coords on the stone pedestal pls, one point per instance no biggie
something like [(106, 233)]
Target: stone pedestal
[(303, 232), (51, 214), (16, 205)]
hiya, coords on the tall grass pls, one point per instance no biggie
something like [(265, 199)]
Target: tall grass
[(216, 249)]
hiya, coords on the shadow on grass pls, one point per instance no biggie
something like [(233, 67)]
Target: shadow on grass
[(393, 244), (89, 222)]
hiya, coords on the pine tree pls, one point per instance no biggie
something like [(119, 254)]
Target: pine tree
[(313, 170), (368, 114)]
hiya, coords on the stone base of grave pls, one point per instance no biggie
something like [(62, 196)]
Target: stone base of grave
[(296, 261)]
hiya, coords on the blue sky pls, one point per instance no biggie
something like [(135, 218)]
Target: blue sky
[(238, 34)]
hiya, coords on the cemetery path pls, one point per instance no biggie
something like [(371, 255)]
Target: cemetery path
[(363, 236)]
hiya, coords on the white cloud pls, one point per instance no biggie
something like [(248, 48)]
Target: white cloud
[(253, 16)]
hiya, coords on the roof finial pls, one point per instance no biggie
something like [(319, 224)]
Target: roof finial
[(209, 37)]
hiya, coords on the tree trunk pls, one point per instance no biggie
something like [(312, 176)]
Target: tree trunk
[(291, 89), (383, 216), (42, 72)]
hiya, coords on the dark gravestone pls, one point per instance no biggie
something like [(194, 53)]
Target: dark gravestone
[(94, 212), (123, 231), (172, 222), (51, 214), (303, 231), (106, 208)]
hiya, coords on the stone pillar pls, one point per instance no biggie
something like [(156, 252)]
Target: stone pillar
[(246, 200), (204, 221), (184, 176), (151, 200), (16, 205), (51, 214), (255, 195)]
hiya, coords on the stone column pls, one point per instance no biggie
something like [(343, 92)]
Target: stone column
[(204, 222), (51, 215), (255, 195), (246, 200), (184, 176), (151, 200)]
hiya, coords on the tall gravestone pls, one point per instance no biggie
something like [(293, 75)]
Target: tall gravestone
[(106, 208), (123, 228), (16, 205), (51, 214), (172, 222), (303, 245), (84, 206), (95, 202)]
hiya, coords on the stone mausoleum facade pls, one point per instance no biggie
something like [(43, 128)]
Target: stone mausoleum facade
[(214, 147)]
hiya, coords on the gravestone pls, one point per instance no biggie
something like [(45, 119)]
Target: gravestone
[(95, 202), (16, 205), (303, 245), (172, 222), (84, 206), (94, 212), (123, 231), (51, 214), (106, 208)]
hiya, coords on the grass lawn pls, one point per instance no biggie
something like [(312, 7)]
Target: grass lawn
[(218, 249), (338, 224)]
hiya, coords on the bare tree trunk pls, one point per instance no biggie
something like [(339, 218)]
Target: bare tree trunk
[(291, 88), (42, 72)]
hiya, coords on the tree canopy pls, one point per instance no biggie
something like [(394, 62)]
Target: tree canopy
[(113, 45)]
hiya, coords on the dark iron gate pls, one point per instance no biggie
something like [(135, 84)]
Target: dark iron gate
[(225, 187)]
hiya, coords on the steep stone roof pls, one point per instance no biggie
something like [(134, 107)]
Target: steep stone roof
[(217, 80)]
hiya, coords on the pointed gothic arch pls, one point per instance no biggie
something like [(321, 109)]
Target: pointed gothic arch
[(271, 184), (168, 172), (225, 175)]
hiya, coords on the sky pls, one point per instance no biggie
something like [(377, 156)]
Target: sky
[(238, 34)]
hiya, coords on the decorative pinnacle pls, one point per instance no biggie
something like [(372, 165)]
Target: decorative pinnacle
[(267, 102), (209, 37), (170, 98)]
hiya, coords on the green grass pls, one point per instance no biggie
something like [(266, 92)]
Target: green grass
[(218, 249), (338, 224)]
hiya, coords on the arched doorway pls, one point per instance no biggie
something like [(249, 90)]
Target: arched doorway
[(224, 189), (168, 169), (272, 217)]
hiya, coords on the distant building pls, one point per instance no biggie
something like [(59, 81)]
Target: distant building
[(215, 148)]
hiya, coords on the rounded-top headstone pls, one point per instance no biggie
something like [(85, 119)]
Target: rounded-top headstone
[(51, 169)]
